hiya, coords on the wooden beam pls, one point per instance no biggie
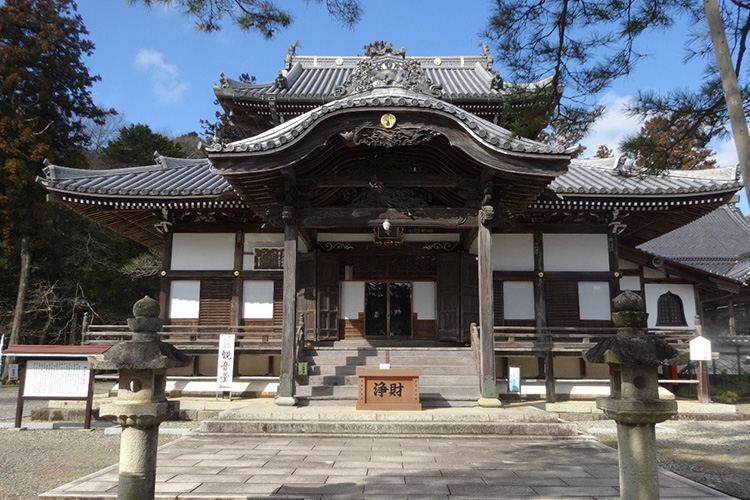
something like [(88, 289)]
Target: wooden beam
[(308, 236), (468, 236), (446, 218), (393, 181)]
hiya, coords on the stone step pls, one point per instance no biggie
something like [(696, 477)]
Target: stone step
[(449, 376), (424, 380), (381, 428), (332, 370)]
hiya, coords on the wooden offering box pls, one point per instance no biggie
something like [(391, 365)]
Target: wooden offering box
[(396, 389)]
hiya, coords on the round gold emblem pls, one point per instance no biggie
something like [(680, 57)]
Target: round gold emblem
[(388, 120)]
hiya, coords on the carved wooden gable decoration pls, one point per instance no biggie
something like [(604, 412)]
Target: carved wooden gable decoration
[(388, 68)]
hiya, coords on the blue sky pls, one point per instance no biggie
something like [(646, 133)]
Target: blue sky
[(157, 70)]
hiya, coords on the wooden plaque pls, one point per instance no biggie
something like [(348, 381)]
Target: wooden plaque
[(396, 389)]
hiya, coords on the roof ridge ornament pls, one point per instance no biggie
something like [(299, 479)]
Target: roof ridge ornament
[(290, 54), (386, 68), (487, 54)]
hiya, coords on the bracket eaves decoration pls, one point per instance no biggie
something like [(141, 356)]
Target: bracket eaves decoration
[(388, 68), (368, 134)]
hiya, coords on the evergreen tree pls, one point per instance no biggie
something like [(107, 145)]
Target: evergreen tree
[(44, 99), (135, 147)]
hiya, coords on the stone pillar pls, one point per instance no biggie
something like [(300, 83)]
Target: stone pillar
[(634, 403), (141, 404)]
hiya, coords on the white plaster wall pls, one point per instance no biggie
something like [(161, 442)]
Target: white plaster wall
[(567, 367), (630, 283), (593, 300), (626, 264), (518, 300), (576, 252), (352, 299), (528, 364), (423, 297), (184, 299), (685, 292), (513, 252), (257, 299), (653, 273), (203, 252), (252, 365), (597, 370)]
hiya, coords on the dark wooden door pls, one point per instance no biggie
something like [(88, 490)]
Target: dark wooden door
[(328, 296), (449, 297), (306, 293)]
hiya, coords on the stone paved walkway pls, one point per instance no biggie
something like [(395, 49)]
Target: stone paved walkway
[(326, 468)]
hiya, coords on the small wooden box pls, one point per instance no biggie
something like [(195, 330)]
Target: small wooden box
[(396, 389)]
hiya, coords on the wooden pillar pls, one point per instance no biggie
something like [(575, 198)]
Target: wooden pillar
[(164, 282), (237, 284), (614, 265), (732, 322), (540, 317), (285, 394), (486, 318)]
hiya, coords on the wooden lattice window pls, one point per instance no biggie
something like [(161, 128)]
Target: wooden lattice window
[(561, 299), (216, 302), (669, 310)]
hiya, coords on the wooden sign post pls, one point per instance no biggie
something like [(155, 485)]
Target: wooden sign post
[(700, 351), (54, 372)]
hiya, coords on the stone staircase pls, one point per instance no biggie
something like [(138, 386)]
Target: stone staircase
[(260, 419), (449, 375)]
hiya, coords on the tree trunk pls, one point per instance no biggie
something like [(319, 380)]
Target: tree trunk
[(732, 95), (23, 284)]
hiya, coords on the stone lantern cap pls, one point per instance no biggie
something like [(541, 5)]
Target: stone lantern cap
[(632, 346), (144, 351)]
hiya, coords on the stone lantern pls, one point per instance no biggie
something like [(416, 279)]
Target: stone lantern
[(141, 404), (633, 358)]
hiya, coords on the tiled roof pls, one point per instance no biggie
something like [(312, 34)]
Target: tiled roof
[(174, 178), (718, 243), (608, 176), (492, 135), (317, 77), (170, 178)]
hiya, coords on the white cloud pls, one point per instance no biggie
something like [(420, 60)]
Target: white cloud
[(612, 127), (726, 152), (165, 77)]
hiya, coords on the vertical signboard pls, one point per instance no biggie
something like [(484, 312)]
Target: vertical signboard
[(514, 379), (225, 366)]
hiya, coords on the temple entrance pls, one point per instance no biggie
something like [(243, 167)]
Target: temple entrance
[(388, 309)]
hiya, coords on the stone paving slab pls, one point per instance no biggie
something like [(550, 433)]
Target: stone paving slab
[(226, 467)]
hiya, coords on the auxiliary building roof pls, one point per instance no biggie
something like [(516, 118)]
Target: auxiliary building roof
[(718, 243), (174, 178)]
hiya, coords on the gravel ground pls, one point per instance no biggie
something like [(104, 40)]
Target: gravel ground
[(716, 454)]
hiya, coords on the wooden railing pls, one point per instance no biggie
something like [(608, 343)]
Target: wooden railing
[(192, 337), (573, 339)]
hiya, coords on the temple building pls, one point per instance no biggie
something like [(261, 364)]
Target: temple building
[(379, 210)]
